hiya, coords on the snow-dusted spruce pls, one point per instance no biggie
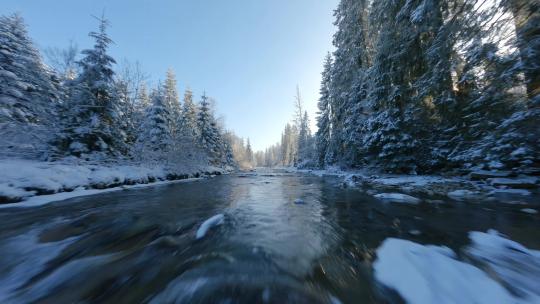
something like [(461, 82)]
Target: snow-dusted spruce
[(29, 93), (92, 112), (95, 118)]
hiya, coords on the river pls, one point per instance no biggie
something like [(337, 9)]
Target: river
[(286, 238)]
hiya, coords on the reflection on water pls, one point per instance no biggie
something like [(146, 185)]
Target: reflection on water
[(140, 246)]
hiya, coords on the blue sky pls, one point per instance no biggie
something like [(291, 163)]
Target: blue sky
[(247, 54)]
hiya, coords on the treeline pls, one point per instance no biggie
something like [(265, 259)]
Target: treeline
[(242, 151), (297, 145), (85, 109), (430, 85)]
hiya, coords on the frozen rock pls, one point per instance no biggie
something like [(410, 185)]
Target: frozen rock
[(462, 194), (432, 274), (511, 191), (521, 183), (415, 232), (397, 198), (214, 221), (484, 174), (510, 262), (529, 210)]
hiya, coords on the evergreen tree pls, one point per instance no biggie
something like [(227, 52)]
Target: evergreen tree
[(93, 125), (189, 115), (156, 136), (323, 119), (172, 101), (305, 148), (249, 153), (208, 132), (28, 92), (350, 59)]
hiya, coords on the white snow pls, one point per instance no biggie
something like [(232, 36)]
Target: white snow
[(529, 210), (208, 224), (432, 274), (397, 198), (41, 200), (512, 263), (20, 178)]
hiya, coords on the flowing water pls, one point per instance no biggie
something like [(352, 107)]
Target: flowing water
[(139, 245)]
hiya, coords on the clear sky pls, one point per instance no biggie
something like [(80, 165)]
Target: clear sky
[(247, 54)]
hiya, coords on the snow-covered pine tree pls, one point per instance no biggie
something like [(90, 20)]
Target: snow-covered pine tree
[(208, 132), (249, 153), (526, 15), (350, 59), (93, 126), (126, 113), (28, 93), (305, 149), (155, 137), (189, 115), (323, 116), (172, 101)]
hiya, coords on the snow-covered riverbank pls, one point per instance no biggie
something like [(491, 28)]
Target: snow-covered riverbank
[(478, 185), (22, 180)]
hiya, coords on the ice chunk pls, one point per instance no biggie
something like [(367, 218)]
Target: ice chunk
[(431, 274), (208, 224), (398, 198)]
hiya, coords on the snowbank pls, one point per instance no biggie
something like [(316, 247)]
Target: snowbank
[(433, 274), (23, 179), (456, 187)]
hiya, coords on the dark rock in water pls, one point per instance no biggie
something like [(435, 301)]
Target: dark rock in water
[(9, 199), (519, 183), (299, 201), (484, 174)]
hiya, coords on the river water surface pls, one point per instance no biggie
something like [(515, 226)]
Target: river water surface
[(139, 245)]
